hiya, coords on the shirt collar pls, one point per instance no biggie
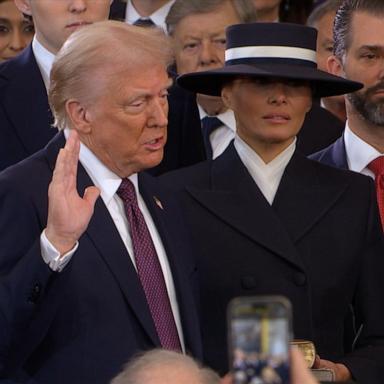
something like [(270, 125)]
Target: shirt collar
[(227, 117), (44, 59), (158, 17), (252, 159), (359, 153), (103, 178)]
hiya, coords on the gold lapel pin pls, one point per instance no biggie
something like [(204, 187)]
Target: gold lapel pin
[(158, 202)]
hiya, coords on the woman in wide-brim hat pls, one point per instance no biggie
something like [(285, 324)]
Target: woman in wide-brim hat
[(267, 220), (269, 79)]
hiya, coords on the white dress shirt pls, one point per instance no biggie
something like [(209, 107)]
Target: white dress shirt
[(108, 183), (359, 153), (158, 17), (266, 176), (44, 60), (223, 135)]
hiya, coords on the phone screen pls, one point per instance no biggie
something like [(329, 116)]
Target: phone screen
[(259, 336)]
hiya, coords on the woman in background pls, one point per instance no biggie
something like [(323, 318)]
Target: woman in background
[(16, 32)]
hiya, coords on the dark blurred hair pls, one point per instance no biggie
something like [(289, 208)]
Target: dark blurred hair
[(295, 11)]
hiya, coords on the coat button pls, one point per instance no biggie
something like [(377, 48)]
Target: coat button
[(299, 279), (35, 293), (248, 282)]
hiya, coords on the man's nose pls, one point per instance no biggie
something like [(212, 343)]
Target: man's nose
[(159, 113), (208, 54), (77, 6)]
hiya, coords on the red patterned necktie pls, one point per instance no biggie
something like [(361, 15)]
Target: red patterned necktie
[(377, 167), (149, 269)]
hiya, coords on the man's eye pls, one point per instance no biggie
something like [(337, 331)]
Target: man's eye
[(369, 56), (221, 42), (190, 47), (4, 29)]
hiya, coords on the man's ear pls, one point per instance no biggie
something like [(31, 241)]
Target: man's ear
[(334, 66), (226, 95), (78, 115), (24, 6)]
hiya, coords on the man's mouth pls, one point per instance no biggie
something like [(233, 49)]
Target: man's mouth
[(78, 24)]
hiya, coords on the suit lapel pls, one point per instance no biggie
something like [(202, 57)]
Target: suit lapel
[(25, 102), (166, 218), (103, 234), (235, 198), (338, 154), (304, 196)]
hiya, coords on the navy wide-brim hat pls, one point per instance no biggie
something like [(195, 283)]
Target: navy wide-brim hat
[(269, 50)]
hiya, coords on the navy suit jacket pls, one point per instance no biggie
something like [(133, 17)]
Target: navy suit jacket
[(25, 116), (93, 316), (320, 244), (334, 155)]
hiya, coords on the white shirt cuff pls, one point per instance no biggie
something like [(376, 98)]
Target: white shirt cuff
[(51, 255)]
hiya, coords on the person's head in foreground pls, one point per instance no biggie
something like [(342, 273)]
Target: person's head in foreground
[(109, 83), (269, 79), (165, 367)]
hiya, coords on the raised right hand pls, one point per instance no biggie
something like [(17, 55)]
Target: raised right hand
[(68, 213)]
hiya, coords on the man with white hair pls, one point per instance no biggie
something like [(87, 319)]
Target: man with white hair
[(116, 275)]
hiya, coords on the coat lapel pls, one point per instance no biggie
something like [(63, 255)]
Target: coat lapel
[(235, 198), (304, 196), (25, 102), (103, 234)]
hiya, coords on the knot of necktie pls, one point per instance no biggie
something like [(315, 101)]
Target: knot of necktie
[(144, 23), (126, 191), (377, 166)]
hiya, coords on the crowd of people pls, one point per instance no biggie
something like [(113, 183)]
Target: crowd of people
[(187, 152)]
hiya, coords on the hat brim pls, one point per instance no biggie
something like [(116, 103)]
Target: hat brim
[(211, 82)]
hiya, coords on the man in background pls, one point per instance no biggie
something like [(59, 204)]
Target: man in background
[(25, 116), (322, 18), (359, 55), (200, 127)]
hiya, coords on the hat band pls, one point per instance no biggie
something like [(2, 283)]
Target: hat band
[(270, 52), (268, 62)]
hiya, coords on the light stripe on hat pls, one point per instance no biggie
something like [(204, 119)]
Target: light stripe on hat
[(263, 52)]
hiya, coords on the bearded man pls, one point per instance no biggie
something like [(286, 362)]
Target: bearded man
[(359, 55)]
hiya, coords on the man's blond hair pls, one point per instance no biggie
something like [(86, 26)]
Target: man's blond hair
[(98, 51)]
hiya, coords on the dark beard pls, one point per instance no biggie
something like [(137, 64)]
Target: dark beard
[(371, 111)]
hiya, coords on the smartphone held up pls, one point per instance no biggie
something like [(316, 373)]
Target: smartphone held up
[(260, 331)]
